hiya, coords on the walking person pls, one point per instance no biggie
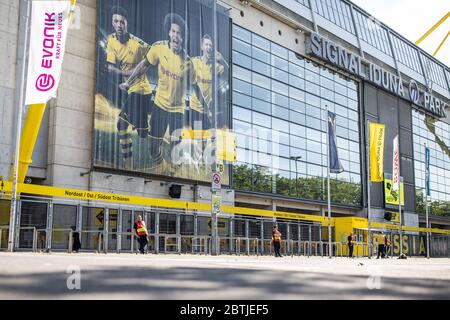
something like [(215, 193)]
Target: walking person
[(141, 233), (387, 243), (276, 240), (350, 243), (379, 240)]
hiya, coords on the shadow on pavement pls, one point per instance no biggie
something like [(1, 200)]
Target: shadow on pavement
[(215, 283)]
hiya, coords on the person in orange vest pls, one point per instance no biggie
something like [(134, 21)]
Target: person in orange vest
[(276, 240), (141, 232)]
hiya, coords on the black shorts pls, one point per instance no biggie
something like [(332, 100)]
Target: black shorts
[(135, 110)]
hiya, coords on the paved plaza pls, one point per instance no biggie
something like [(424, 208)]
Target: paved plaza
[(130, 276)]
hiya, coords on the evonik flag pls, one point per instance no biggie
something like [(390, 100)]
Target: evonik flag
[(48, 35)]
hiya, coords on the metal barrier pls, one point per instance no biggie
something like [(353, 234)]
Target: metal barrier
[(336, 247), (200, 242), (175, 245), (34, 241), (1, 236), (100, 239)]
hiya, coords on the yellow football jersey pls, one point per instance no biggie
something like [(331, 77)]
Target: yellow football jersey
[(203, 78), (126, 56), (174, 73)]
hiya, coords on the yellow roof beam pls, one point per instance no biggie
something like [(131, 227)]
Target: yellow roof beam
[(433, 28), (440, 46)]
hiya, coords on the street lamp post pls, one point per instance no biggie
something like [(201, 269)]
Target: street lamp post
[(296, 172)]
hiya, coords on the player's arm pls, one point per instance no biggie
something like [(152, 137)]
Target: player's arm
[(223, 64), (113, 69), (137, 72)]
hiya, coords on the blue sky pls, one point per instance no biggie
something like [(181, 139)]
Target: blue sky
[(412, 18)]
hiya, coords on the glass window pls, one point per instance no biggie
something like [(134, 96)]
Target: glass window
[(279, 51), (242, 100), (241, 113), (261, 81), (242, 74), (242, 86), (242, 34), (280, 63), (260, 93), (280, 99), (297, 105), (261, 55), (242, 47), (260, 42), (280, 112), (287, 119), (261, 106), (261, 67), (298, 118), (242, 59), (279, 87)]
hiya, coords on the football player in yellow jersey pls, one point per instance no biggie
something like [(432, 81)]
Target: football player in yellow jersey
[(200, 102), (124, 52), (175, 72)]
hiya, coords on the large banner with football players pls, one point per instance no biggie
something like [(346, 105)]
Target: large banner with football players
[(157, 72)]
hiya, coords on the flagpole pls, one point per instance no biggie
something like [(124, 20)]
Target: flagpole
[(400, 196), (13, 212), (368, 189), (328, 188), (427, 176)]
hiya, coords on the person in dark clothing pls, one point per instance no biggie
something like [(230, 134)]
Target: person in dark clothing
[(76, 243), (276, 239), (350, 243), (380, 240), (141, 232)]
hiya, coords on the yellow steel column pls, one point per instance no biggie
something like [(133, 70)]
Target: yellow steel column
[(433, 28), (440, 46), (28, 139)]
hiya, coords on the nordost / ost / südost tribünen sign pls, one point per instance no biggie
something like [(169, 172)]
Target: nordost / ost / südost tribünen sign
[(328, 51)]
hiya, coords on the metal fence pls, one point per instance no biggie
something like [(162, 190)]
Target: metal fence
[(110, 230)]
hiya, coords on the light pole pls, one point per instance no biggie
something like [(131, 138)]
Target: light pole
[(296, 172)]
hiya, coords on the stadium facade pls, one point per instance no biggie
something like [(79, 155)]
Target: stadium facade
[(286, 63)]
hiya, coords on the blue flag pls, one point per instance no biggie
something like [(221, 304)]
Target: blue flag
[(427, 172), (335, 163)]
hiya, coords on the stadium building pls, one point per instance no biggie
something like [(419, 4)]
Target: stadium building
[(284, 64)]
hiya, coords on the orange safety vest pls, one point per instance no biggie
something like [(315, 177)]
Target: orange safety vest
[(141, 229), (276, 236)]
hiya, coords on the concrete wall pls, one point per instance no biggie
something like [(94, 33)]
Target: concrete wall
[(9, 31)]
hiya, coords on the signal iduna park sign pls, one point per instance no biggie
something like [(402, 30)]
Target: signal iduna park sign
[(324, 49)]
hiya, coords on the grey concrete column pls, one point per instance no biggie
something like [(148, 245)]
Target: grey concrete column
[(310, 238), (261, 247), (119, 230), (320, 240), (288, 237), (105, 229), (17, 225), (195, 242), (178, 231), (299, 226), (49, 228), (157, 232), (231, 235), (247, 235)]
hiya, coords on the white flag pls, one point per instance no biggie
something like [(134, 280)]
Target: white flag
[(49, 26), (395, 166)]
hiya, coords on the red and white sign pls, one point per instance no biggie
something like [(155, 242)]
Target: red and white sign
[(396, 166), (216, 181), (48, 33)]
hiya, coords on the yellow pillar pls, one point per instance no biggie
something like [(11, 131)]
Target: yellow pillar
[(28, 140)]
